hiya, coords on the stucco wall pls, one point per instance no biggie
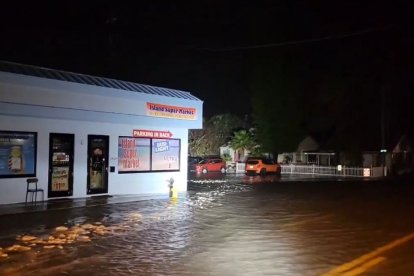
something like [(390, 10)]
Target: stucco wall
[(33, 96), (13, 189), (47, 106)]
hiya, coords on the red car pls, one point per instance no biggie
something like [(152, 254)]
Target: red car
[(211, 165)]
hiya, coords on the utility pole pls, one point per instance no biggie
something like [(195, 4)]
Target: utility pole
[(382, 118), (383, 151)]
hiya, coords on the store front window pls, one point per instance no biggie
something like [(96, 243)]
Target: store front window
[(147, 154), (17, 154)]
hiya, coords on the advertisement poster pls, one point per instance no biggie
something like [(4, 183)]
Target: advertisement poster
[(60, 179), (133, 154), (171, 111), (17, 154), (165, 154)]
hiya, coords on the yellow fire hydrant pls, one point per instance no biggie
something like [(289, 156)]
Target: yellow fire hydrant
[(173, 190)]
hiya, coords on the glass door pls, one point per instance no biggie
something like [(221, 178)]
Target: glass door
[(61, 153), (98, 148)]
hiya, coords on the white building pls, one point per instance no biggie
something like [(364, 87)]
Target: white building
[(82, 135)]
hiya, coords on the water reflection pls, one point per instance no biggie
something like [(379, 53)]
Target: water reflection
[(236, 179), (261, 179), (227, 225), (209, 175)]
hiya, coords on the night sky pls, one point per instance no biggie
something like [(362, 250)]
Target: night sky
[(210, 47)]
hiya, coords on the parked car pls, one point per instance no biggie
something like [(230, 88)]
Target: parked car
[(211, 165), (262, 166), (194, 160)]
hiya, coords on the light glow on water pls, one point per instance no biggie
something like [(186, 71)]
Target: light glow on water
[(231, 226)]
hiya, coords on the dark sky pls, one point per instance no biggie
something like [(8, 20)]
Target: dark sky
[(209, 47)]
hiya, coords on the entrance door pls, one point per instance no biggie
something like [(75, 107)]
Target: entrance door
[(60, 164), (98, 147)]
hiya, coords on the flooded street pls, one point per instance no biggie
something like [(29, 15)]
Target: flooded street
[(230, 225)]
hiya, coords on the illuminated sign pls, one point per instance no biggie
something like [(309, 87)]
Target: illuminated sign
[(138, 154), (133, 154), (165, 155), (161, 146), (151, 133), (170, 111)]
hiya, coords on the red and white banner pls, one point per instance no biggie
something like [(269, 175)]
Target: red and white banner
[(152, 133)]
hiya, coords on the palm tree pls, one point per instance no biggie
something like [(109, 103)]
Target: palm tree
[(242, 141)]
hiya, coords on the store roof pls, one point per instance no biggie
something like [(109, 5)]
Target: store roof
[(42, 72)]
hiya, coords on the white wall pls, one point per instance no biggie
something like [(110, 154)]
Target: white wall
[(34, 96), (13, 190), (47, 106)]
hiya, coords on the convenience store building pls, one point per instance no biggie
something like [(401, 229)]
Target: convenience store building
[(82, 135)]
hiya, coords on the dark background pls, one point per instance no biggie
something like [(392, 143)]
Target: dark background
[(215, 49)]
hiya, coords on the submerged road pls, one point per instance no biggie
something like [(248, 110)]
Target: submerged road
[(227, 225)]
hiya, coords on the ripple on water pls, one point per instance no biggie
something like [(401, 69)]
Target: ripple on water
[(221, 227)]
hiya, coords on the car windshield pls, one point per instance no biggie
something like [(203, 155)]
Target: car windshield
[(252, 162), (203, 161), (193, 160)]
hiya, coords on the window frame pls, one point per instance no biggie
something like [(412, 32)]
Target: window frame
[(25, 158), (151, 156)]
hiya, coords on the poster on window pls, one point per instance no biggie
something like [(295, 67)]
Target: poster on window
[(17, 154), (165, 154), (133, 154), (60, 179)]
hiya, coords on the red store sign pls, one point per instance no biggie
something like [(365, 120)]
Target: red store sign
[(151, 133)]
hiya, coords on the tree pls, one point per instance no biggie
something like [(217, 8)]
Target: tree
[(278, 109), (216, 132), (197, 142), (241, 141)]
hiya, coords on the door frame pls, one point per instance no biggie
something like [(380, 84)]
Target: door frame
[(71, 138), (104, 190)]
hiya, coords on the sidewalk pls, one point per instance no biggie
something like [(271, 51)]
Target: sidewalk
[(69, 203)]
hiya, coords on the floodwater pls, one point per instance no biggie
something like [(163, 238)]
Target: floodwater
[(228, 225)]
